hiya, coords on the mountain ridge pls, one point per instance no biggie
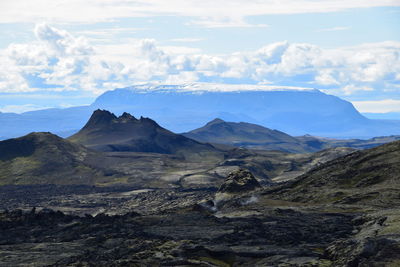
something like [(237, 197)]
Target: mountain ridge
[(248, 135)]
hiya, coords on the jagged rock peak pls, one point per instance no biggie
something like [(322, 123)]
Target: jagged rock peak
[(125, 117), (103, 113), (147, 120), (100, 117), (239, 181), (105, 117)]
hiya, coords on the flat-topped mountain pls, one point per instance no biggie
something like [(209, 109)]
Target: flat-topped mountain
[(106, 132), (44, 158), (293, 111)]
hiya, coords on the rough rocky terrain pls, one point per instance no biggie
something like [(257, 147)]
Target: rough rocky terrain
[(238, 234), (246, 226)]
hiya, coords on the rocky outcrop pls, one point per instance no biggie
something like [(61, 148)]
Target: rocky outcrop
[(238, 182)]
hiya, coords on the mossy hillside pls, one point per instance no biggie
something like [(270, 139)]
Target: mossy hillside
[(44, 158), (369, 176)]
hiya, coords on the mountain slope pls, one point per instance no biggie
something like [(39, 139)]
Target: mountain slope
[(44, 158), (248, 135), (106, 132), (369, 176)]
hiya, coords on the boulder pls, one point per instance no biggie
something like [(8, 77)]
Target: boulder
[(239, 181)]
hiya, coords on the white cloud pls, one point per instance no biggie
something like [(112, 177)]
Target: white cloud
[(61, 42), (380, 106), (232, 12), (351, 89), (182, 77), (61, 61), (325, 77)]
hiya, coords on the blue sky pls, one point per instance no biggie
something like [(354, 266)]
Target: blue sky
[(65, 53)]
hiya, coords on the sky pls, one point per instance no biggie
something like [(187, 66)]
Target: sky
[(59, 53)]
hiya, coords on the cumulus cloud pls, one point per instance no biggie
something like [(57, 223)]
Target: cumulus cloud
[(58, 60), (61, 42)]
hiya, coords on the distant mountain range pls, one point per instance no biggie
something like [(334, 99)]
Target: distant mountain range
[(181, 108)]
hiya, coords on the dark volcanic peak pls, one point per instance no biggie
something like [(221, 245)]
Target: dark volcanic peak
[(106, 132), (105, 117), (106, 121), (101, 117), (126, 117)]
